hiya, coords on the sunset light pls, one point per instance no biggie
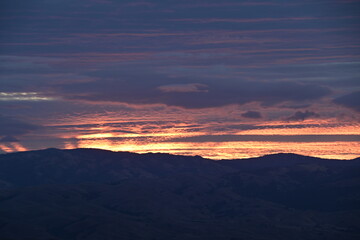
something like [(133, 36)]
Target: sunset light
[(179, 120), (227, 80)]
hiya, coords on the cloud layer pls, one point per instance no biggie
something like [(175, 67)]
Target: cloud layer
[(134, 74), (10, 128)]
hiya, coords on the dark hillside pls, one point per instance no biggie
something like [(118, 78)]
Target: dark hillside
[(97, 194)]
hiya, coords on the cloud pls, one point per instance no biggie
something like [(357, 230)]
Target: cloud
[(191, 87), (251, 114), (11, 127), (268, 138), (301, 116), (9, 139), (246, 127), (10, 65), (132, 86), (23, 96), (351, 100), (244, 20)]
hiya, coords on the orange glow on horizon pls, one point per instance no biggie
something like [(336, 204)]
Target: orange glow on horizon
[(230, 150), (18, 147), (5, 148), (13, 147), (148, 132)]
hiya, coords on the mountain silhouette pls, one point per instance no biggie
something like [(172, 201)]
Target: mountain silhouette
[(97, 194)]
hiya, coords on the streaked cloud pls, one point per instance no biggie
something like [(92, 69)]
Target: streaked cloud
[(12, 127), (301, 116), (191, 87), (252, 114), (351, 100), (269, 138), (9, 139), (135, 75), (132, 90), (24, 96)]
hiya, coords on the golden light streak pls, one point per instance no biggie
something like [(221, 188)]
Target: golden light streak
[(96, 135), (5, 148), (13, 147), (231, 150), (309, 128), (69, 145), (143, 132), (18, 147)]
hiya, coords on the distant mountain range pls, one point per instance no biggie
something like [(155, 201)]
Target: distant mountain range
[(96, 194)]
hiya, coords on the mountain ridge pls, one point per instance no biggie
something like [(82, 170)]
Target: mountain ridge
[(98, 194), (280, 154)]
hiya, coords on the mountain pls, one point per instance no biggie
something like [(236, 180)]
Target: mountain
[(95, 194)]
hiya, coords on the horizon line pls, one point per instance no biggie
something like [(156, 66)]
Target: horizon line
[(181, 155)]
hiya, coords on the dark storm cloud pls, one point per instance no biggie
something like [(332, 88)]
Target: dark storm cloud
[(252, 114), (351, 100), (10, 127), (301, 116)]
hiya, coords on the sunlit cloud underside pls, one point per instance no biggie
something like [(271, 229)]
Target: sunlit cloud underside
[(231, 150), (324, 139), (222, 80)]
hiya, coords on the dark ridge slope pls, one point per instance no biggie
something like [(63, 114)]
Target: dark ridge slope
[(97, 194)]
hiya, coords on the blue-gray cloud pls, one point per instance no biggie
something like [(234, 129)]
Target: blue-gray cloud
[(243, 51), (147, 88), (251, 114), (268, 138), (10, 127), (301, 116), (191, 54), (8, 139), (351, 100)]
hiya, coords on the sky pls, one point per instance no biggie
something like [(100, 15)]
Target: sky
[(220, 79)]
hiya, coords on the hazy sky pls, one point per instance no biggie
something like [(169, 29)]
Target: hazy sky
[(221, 79)]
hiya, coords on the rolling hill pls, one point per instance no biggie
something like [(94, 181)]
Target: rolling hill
[(97, 194)]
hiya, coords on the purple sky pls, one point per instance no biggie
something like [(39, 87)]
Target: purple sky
[(194, 71)]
